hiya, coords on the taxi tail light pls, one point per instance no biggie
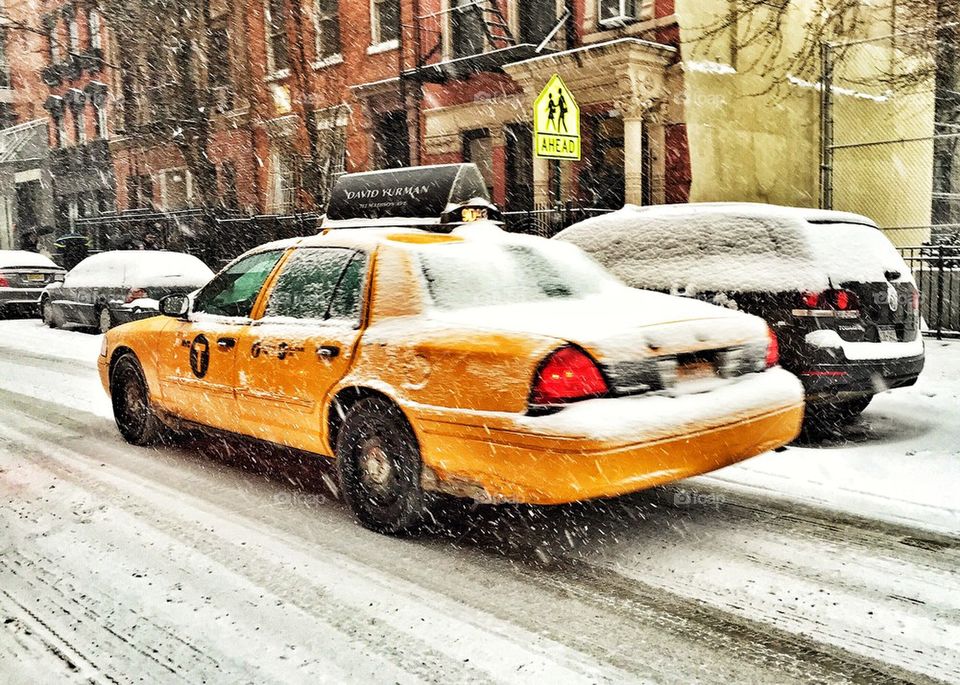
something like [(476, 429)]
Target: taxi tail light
[(135, 294), (566, 375), (773, 349)]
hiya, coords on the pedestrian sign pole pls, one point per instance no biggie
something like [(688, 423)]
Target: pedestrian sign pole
[(556, 122)]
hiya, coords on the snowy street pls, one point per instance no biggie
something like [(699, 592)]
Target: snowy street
[(836, 561)]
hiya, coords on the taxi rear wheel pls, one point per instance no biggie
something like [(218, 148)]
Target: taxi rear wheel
[(136, 420), (378, 461)]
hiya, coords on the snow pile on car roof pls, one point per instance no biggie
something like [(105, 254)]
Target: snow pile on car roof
[(14, 259), (142, 268), (736, 247)]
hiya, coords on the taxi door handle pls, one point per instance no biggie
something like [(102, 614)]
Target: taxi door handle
[(226, 343), (327, 351)]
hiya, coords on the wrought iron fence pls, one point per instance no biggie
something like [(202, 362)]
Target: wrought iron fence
[(548, 220), (936, 269)]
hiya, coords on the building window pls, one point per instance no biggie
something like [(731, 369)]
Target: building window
[(62, 130), (536, 19), (4, 67), (93, 20), (616, 12), (275, 16), (283, 179), (140, 192), (392, 140), (327, 26), (54, 44), (74, 32), (467, 29), (385, 21), (101, 120), (176, 189), (79, 126)]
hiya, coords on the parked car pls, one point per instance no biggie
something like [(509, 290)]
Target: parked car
[(839, 297), (23, 276), (110, 288)]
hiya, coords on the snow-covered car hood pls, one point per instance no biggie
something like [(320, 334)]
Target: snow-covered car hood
[(619, 323)]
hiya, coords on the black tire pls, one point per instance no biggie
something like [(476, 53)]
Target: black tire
[(829, 416), (104, 320), (378, 460), (136, 420), (48, 315)]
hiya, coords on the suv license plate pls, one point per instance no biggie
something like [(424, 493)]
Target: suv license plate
[(35, 277), (887, 334)]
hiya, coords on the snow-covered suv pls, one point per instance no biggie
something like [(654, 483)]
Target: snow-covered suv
[(839, 297)]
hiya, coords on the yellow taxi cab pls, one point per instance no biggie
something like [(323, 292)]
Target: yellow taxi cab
[(474, 362)]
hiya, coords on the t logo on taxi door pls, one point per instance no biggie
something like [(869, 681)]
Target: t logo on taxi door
[(200, 356)]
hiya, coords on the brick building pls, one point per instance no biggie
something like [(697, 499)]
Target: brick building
[(78, 106), (25, 184), (301, 93)]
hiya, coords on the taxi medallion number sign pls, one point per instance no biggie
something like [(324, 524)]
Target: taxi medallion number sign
[(556, 122)]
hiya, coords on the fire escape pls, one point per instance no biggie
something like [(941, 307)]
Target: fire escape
[(473, 36)]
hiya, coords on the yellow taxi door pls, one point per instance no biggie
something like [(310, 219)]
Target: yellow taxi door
[(289, 358), (197, 367)]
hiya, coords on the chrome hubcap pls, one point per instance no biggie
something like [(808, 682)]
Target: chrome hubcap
[(377, 468)]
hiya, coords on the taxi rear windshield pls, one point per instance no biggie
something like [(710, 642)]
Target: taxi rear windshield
[(461, 275)]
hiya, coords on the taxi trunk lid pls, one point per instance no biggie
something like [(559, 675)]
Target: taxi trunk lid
[(641, 340)]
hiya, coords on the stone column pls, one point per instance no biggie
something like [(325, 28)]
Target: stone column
[(633, 157), (656, 140)]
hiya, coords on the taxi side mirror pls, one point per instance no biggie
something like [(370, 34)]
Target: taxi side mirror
[(177, 306)]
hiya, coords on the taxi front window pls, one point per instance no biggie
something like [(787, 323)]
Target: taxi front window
[(233, 291), (461, 275)]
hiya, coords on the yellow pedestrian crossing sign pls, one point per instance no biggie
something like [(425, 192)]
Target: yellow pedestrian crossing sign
[(556, 122)]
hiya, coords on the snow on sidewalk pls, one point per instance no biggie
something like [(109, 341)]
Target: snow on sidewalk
[(899, 463)]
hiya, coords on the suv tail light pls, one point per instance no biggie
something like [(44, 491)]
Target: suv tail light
[(829, 303), (135, 294), (773, 349), (916, 300), (4, 283), (567, 374)]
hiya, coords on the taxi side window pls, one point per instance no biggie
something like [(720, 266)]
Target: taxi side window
[(233, 291), (348, 299), (306, 286)]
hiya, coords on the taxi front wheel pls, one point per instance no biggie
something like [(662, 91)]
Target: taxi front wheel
[(137, 422), (378, 461)]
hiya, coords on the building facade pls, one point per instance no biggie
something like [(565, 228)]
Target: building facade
[(254, 106), (26, 199)]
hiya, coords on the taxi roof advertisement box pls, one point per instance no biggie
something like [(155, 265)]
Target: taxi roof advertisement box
[(411, 192), (556, 122)]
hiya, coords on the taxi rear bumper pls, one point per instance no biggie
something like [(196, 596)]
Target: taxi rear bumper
[(608, 447)]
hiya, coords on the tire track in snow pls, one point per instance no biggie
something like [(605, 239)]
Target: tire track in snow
[(340, 604)]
